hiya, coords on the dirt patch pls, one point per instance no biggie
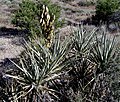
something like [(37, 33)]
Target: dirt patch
[(8, 49)]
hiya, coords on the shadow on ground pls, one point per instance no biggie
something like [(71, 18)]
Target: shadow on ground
[(7, 32), (6, 65)]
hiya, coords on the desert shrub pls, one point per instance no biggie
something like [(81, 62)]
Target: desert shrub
[(29, 13), (26, 16), (105, 8)]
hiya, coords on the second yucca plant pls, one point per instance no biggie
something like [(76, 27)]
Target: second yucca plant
[(103, 51)]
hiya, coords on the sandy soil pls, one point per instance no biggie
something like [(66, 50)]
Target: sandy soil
[(10, 41)]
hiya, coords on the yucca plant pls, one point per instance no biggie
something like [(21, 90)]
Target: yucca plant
[(105, 54), (96, 53), (40, 66), (103, 51), (82, 69), (82, 39)]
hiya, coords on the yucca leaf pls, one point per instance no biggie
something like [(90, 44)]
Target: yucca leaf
[(110, 49), (14, 77), (82, 40)]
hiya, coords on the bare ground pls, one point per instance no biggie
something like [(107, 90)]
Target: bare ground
[(10, 41)]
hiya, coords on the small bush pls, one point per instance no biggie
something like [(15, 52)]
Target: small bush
[(25, 17), (105, 8), (29, 13)]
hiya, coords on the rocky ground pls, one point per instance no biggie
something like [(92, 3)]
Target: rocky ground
[(11, 39)]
